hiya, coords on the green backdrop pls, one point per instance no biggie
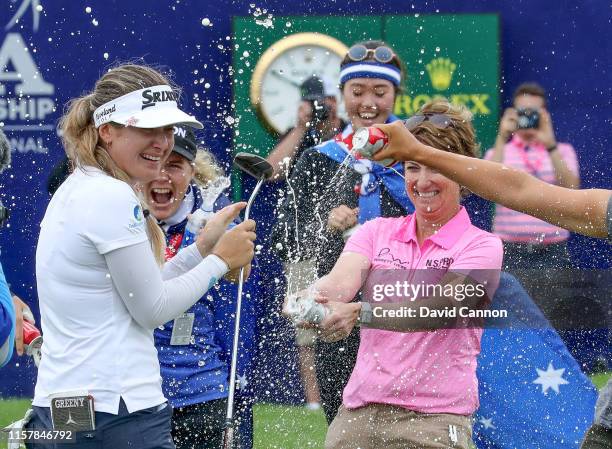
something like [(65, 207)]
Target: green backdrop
[(454, 56)]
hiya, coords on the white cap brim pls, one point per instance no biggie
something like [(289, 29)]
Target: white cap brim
[(149, 107), (157, 118)]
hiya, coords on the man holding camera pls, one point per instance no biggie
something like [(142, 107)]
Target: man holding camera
[(317, 121), (526, 141)]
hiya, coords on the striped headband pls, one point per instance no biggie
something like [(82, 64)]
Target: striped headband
[(370, 70)]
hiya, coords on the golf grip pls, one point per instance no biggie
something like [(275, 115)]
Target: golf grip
[(228, 436)]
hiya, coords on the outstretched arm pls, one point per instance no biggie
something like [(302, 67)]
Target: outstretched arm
[(581, 211)]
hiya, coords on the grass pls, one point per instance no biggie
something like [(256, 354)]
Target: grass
[(287, 427), (599, 380), (276, 426)]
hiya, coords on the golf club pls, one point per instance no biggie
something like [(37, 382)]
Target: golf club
[(260, 169)]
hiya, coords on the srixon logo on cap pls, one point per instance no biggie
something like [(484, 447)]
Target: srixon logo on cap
[(150, 97)]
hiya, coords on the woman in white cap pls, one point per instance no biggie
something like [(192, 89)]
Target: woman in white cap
[(100, 285)]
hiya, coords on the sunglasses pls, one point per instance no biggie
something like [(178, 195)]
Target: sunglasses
[(381, 54), (441, 121)]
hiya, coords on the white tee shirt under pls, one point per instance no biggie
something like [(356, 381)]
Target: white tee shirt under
[(92, 341)]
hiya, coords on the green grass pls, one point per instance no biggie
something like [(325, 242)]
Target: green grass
[(12, 410), (276, 426), (287, 427), (600, 379)]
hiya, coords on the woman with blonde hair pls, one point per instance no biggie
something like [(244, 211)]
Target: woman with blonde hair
[(194, 358), (100, 285)]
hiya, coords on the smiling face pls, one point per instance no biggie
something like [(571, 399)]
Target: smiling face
[(166, 192), (139, 152), (368, 101), (435, 197)]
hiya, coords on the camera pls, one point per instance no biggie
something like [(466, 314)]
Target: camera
[(528, 118), (320, 111), (313, 91)]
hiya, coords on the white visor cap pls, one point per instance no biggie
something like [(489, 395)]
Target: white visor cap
[(151, 107)]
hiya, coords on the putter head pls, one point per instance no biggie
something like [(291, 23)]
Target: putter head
[(254, 165)]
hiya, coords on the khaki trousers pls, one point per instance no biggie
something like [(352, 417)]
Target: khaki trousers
[(378, 426)]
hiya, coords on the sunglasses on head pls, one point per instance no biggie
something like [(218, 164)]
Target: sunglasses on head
[(441, 121), (381, 54)]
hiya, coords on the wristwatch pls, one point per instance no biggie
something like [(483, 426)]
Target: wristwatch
[(366, 315), (551, 148)]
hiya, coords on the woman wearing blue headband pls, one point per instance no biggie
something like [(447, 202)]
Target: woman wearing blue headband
[(327, 201)]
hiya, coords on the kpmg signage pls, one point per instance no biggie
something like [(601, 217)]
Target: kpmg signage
[(27, 102)]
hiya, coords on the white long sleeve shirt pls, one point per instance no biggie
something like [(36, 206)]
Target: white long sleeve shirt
[(101, 294)]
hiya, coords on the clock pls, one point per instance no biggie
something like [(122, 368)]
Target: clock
[(275, 85)]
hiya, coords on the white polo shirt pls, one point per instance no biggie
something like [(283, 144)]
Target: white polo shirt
[(91, 342)]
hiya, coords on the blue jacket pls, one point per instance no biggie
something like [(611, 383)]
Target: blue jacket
[(199, 372), (7, 321)]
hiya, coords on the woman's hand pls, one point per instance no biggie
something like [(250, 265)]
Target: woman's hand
[(236, 247), (216, 227), (342, 218), (22, 313), (340, 319), (402, 146), (290, 309), (234, 275)]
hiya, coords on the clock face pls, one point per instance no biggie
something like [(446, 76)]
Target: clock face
[(275, 89)]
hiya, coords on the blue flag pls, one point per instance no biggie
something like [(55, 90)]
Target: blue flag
[(533, 394)]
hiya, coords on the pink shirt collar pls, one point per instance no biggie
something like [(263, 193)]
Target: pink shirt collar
[(446, 237), (517, 142)]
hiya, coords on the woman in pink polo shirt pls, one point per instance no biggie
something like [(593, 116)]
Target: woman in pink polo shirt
[(415, 388)]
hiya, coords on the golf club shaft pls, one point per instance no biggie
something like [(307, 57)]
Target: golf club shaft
[(229, 420)]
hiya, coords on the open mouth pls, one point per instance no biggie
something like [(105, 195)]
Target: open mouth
[(368, 115), (426, 194), (161, 197), (149, 157)]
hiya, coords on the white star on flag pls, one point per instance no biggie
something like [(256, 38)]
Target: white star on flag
[(487, 423), (551, 378), (242, 381)]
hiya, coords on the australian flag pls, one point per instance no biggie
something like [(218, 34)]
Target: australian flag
[(533, 394)]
